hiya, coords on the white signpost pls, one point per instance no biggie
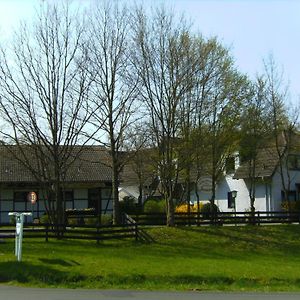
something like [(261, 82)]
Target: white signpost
[(19, 232)]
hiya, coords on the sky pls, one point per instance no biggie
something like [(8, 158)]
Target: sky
[(252, 29)]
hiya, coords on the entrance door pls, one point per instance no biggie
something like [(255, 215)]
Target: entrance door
[(94, 200)]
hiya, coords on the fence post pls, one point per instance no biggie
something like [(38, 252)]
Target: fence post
[(235, 219), (258, 216), (46, 229), (136, 231), (98, 237)]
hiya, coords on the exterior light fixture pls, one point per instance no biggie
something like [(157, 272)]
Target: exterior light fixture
[(233, 194)]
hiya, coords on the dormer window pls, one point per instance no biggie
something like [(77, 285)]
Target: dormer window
[(294, 162), (230, 165)]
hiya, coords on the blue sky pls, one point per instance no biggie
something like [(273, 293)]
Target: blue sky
[(252, 29)]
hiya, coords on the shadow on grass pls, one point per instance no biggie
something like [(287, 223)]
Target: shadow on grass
[(60, 262), (284, 238), (24, 272), (37, 275), (186, 281), (237, 243)]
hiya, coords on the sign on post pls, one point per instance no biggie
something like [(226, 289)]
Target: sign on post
[(19, 232), (32, 197)]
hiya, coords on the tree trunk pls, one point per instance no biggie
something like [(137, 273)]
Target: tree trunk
[(115, 193), (170, 212)]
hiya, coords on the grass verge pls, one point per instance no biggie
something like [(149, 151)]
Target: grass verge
[(261, 258)]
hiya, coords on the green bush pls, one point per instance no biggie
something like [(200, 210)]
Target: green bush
[(44, 219), (209, 210), (155, 206), (291, 206), (12, 220), (106, 219), (72, 221), (92, 221), (129, 206)]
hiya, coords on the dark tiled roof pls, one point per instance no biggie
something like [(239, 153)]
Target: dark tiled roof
[(140, 162), (92, 164), (266, 163), (268, 157)]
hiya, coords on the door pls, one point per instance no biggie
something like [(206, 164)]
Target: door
[(94, 200)]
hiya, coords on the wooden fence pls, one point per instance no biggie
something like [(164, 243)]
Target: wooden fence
[(131, 227), (220, 218), (82, 232)]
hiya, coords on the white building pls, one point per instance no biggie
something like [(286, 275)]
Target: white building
[(277, 169)]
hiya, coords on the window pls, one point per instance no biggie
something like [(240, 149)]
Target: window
[(230, 165), (231, 200), (68, 195), (20, 196), (291, 196), (294, 162)]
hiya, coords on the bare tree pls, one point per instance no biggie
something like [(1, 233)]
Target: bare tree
[(161, 61), (114, 92), (255, 133), (139, 158), (283, 124), (44, 88)]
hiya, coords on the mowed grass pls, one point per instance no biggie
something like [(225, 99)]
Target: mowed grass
[(260, 258)]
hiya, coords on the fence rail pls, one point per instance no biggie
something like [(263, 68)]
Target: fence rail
[(220, 218), (131, 227), (82, 232)]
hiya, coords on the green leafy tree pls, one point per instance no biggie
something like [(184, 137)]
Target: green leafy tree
[(224, 93), (255, 133)]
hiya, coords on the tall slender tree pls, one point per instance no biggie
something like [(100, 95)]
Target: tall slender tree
[(114, 91), (161, 61), (255, 133), (282, 124), (224, 90)]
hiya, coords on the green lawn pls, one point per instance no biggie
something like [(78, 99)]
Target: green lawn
[(265, 258)]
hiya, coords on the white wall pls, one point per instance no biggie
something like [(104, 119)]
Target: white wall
[(260, 203), (268, 194), (277, 185), (229, 184)]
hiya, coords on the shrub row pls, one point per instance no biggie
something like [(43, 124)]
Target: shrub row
[(159, 206)]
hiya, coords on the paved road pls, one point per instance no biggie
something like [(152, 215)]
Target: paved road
[(17, 293)]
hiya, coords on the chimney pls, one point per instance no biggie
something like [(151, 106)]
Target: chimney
[(236, 156)]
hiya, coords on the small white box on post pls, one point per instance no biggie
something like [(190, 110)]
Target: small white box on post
[(19, 232)]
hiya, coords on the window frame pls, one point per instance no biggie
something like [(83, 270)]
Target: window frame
[(293, 162)]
